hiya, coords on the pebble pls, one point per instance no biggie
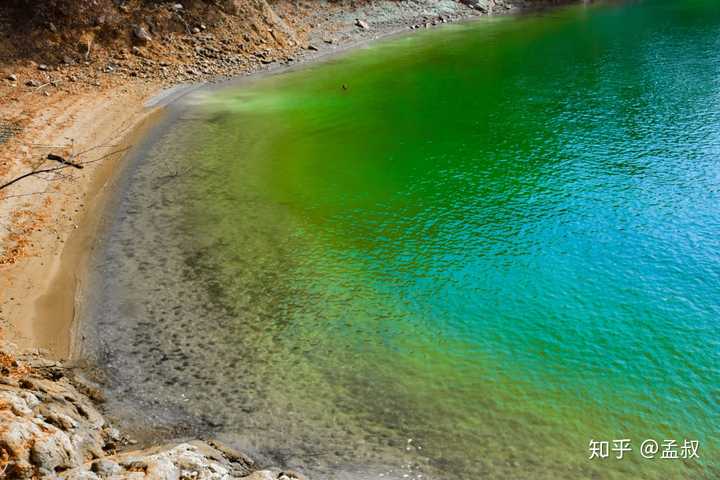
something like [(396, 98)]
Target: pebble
[(362, 24), (141, 34)]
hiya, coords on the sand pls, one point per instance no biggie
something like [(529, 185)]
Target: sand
[(49, 220)]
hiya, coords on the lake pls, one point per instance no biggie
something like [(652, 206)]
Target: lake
[(466, 252)]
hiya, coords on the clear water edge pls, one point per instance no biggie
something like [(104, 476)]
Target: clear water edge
[(500, 242)]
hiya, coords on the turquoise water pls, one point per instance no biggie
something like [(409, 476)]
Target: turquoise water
[(500, 241)]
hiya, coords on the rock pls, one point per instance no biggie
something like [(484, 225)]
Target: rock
[(53, 453), (112, 438), (32, 83), (17, 434), (261, 475), (42, 67), (362, 24), (195, 30), (312, 47), (12, 77), (46, 425), (141, 35), (290, 475), (177, 7), (479, 5), (106, 468), (61, 421), (81, 475)]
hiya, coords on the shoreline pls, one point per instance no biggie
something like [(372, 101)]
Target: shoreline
[(83, 241), (42, 288), (39, 282), (36, 308)]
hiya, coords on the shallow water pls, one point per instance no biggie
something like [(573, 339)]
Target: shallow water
[(498, 241)]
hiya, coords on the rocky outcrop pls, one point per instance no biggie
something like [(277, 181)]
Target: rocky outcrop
[(50, 428), (194, 460), (46, 425)]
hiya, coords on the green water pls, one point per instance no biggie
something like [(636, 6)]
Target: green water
[(500, 240)]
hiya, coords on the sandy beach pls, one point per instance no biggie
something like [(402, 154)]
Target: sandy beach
[(50, 218)]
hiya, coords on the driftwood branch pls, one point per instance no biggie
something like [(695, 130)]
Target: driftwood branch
[(31, 173), (66, 163), (58, 158)]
